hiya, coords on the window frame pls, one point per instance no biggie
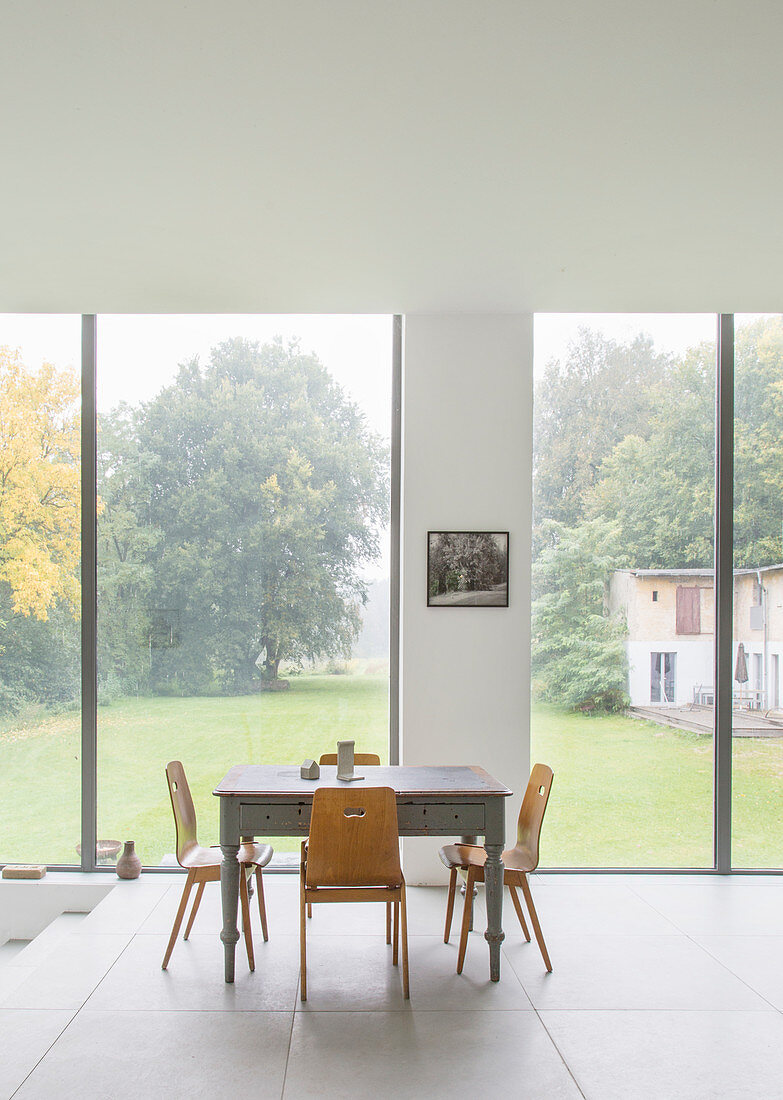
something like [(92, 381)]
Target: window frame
[(89, 583)]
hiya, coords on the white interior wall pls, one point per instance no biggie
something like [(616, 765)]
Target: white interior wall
[(467, 430), (302, 156)]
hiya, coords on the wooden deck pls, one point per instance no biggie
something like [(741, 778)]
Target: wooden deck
[(698, 719)]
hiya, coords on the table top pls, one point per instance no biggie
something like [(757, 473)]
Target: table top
[(272, 781)]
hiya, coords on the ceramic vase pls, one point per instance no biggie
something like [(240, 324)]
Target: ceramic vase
[(129, 864)]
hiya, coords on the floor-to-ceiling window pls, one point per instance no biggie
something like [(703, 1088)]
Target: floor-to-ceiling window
[(242, 529), (40, 546), (757, 720), (243, 565), (623, 587)]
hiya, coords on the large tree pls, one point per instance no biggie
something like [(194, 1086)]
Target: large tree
[(39, 534), (585, 404), (269, 492), (127, 543), (578, 658), (660, 485), (39, 486)]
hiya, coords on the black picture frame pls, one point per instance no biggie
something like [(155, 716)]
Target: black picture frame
[(467, 568)]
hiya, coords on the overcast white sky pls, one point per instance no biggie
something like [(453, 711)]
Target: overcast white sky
[(673, 332), (137, 355)]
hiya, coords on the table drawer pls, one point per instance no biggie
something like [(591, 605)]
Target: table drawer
[(283, 819), (415, 819), (440, 819)]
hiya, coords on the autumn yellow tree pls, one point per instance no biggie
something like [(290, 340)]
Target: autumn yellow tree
[(39, 485)]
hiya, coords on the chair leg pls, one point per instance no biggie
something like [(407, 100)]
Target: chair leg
[(309, 909), (396, 936), (534, 918), (388, 921), (246, 928), (467, 913), (261, 902), (302, 940), (450, 903), (180, 914), (404, 930), (194, 910), (518, 906)]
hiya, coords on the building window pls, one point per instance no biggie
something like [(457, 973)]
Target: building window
[(662, 677), (655, 595)]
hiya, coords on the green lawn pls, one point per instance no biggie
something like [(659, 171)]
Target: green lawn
[(40, 811), (629, 793), (626, 793)]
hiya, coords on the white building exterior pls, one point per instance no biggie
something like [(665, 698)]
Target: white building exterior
[(670, 615)]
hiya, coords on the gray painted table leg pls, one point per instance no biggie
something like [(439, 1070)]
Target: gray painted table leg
[(493, 880), (494, 836), (229, 892)]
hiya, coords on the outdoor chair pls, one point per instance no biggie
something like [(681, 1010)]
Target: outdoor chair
[(518, 862), (203, 864), (353, 854)]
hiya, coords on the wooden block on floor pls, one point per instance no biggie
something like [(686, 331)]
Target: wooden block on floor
[(21, 870)]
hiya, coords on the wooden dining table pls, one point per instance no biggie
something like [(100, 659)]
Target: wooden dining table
[(268, 800)]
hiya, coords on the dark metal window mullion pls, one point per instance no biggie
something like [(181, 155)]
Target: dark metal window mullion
[(89, 602), (724, 589), (394, 580)]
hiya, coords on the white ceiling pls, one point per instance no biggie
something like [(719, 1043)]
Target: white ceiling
[(421, 155)]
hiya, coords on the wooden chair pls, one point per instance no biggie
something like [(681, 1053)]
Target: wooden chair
[(518, 861), (364, 760), (203, 864), (353, 854)]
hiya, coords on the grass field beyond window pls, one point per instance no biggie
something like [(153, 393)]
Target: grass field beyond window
[(627, 793)]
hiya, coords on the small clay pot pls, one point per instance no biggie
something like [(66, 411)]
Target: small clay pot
[(129, 864)]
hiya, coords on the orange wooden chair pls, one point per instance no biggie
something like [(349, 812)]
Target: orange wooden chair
[(203, 864), (353, 854), (364, 760), (518, 861)]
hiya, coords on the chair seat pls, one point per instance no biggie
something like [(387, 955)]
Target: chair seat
[(257, 854), (196, 856), (463, 856)]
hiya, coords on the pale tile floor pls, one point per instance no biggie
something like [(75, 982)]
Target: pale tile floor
[(663, 988)]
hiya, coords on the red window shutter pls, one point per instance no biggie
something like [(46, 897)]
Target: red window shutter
[(688, 610)]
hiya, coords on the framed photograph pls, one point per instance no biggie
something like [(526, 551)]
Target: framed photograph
[(467, 569)]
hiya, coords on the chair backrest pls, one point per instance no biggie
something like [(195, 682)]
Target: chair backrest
[(363, 759), (532, 811), (354, 838), (184, 810)]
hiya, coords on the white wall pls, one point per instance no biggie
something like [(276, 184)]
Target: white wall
[(467, 430), (304, 156), (694, 666)]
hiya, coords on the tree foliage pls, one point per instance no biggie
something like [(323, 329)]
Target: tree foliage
[(39, 486), (578, 657), (627, 438), (584, 406), (268, 491)]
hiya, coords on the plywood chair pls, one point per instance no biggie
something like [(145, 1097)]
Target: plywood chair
[(353, 854), (203, 864), (364, 760), (518, 862)]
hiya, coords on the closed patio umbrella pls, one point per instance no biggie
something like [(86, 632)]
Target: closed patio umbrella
[(741, 665)]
